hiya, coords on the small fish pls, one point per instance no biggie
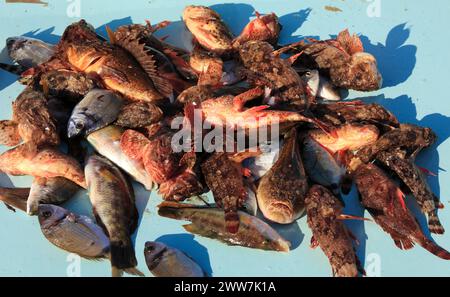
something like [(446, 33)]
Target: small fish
[(347, 112), (208, 28), (43, 162), (73, 233), (217, 110), (385, 202), (49, 191), (98, 109), (116, 68), (262, 66), (68, 86), (330, 233), (165, 261), (114, 208), (29, 52), (345, 61), (9, 133), (106, 142), (347, 137), (411, 137), (321, 167), (139, 114), (406, 169), (15, 197), (262, 28), (282, 190), (210, 222), (224, 178), (196, 94), (35, 123)]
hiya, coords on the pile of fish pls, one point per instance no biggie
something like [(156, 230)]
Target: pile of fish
[(98, 112)]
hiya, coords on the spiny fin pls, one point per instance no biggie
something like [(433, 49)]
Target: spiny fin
[(147, 62), (350, 43), (404, 244), (111, 35)]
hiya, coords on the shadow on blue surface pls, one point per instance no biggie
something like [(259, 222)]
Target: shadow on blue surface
[(396, 60), (185, 242)]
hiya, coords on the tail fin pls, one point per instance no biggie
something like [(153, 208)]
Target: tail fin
[(123, 258), (434, 224), (434, 249)]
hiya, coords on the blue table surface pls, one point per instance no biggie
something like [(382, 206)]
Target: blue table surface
[(410, 41)]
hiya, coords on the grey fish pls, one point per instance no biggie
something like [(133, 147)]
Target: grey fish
[(210, 222), (49, 191), (165, 261), (29, 52), (73, 233), (321, 166), (114, 208), (98, 109)]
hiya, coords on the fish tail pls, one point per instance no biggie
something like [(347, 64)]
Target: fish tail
[(231, 221), (434, 224), (123, 258), (434, 249)]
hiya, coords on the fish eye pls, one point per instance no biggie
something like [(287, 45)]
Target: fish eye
[(79, 126), (46, 214)]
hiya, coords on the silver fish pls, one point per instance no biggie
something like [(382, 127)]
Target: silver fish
[(321, 166), (106, 142), (73, 233), (165, 261), (29, 52), (327, 90), (98, 109), (54, 190), (261, 164), (320, 86)]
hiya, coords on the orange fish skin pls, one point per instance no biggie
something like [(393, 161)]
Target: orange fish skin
[(45, 162)]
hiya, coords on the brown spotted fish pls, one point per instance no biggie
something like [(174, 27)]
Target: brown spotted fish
[(329, 232), (385, 202), (282, 190), (208, 28)]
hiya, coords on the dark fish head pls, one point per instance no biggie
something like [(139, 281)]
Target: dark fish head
[(364, 67), (50, 215), (153, 252), (75, 127)]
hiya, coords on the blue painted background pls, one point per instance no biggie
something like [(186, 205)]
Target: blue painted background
[(410, 41)]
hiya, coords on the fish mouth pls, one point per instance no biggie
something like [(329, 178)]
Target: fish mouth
[(280, 212)]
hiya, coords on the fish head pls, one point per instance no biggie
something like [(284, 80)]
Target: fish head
[(50, 215), (153, 251), (364, 68), (75, 127), (312, 80)]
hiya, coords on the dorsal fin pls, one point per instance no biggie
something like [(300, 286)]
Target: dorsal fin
[(350, 43), (147, 62)]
